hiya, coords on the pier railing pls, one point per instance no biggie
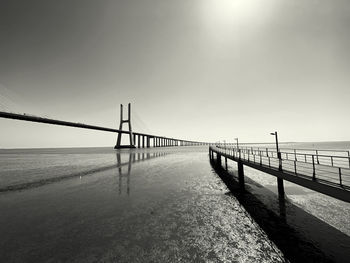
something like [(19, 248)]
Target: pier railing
[(327, 166)]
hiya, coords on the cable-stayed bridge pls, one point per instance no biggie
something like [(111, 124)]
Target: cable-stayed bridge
[(137, 139)]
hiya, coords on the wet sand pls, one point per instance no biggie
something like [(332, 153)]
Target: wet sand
[(172, 207)]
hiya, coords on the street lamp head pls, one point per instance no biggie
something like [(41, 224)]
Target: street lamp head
[(272, 133)]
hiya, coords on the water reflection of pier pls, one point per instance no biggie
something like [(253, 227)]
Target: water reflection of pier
[(132, 157)]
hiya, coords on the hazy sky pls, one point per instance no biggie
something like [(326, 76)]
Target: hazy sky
[(194, 69)]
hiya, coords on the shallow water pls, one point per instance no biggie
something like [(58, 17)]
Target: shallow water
[(98, 205)]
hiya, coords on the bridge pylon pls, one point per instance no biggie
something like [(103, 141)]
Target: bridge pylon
[(131, 137)]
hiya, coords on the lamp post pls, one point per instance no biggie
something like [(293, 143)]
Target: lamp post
[(279, 180), (278, 151), (238, 148)]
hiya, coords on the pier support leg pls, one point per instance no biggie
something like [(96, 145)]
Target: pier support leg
[(280, 187), (240, 174), (218, 160)]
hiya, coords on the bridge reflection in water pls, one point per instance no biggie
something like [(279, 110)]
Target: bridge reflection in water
[(131, 157)]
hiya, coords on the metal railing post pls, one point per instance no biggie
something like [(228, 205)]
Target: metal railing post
[(260, 159), (340, 181), (313, 168), (295, 167)]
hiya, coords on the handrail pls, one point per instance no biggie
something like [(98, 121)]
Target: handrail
[(310, 166), (327, 160)]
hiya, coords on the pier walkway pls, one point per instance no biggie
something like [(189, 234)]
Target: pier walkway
[(324, 171)]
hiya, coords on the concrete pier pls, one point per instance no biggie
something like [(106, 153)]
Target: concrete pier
[(305, 179)]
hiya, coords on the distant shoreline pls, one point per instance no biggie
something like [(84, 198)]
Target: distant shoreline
[(111, 146)]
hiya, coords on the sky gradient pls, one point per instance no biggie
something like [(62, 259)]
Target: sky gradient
[(204, 70)]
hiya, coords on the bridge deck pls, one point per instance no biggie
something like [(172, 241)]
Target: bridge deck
[(166, 141), (327, 179)]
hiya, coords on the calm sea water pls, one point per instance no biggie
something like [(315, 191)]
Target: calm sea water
[(146, 205)]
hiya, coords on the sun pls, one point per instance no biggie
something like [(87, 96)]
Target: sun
[(229, 13)]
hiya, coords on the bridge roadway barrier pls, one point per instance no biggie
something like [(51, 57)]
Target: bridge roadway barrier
[(324, 176)]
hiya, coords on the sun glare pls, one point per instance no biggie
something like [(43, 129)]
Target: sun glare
[(223, 14), (227, 22)]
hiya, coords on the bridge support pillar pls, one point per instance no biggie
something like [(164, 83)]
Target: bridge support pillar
[(131, 135), (240, 174), (138, 141), (280, 187), (226, 163)]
